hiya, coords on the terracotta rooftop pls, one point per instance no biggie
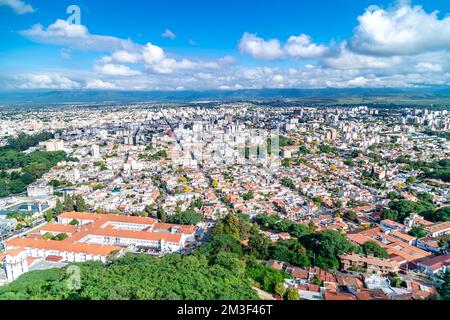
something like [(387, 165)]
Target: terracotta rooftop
[(62, 246), (63, 228)]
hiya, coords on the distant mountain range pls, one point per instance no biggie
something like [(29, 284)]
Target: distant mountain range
[(315, 95)]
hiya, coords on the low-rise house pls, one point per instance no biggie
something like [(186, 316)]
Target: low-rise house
[(438, 229), (435, 265), (392, 225), (369, 263), (429, 244)]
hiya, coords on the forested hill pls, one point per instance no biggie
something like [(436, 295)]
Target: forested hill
[(136, 277)]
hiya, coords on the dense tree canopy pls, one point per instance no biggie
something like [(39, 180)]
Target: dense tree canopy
[(325, 246), (401, 209), (187, 217), (445, 288), (137, 277), (290, 251), (30, 167), (418, 232), (374, 249)]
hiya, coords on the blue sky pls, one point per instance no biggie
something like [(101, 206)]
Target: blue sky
[(200, 44)]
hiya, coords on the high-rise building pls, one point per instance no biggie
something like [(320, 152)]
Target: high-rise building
[(95, 151)]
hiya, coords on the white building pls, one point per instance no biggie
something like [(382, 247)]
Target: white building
[(15, 264), (54, 145), (39, 191)]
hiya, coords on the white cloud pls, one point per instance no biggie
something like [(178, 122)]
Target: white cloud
[(156, 60), (358, 82), (19, 6), (347, 59), (123, 56), (100, 85), (76, 37), (259, 48), (169, 34), (278, 78), (400, 30), (296, 47), (153, 54), (428, 67), (365, 60), (47, 81), (302, 47), (116, 70)]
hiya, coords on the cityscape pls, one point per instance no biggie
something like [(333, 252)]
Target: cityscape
[(211, 193)]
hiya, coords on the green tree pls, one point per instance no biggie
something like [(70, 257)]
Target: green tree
[(258, 246), (230, 225), (325, 246), (230, 261), (47, 236), (280, 289), (248, 196), (188, 217), (351, 216), (80, 204), (221, 243), (265, 277), (426, 197), (444, 291), (124, 279), (162, 214), (374, 249), (290, 251), (198, 203), (418, 232), (288, 183), (74, 222), (443, 214), (49, 216), (59, 208), (68, 203), (292, 294), (60, 237)]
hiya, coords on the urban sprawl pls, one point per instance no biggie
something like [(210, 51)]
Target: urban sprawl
[(343, 203)]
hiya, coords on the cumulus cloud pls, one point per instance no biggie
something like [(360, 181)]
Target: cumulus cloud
[(116, 70), (47, 81), (296, 47), (168, 34), (302, 47), (123, 56), (278, 78), (98, 84), (76, 37), (156, 60), (400, 30), (18, 6), (375, 56), (347, 59), (259, 48), (428, 67)]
